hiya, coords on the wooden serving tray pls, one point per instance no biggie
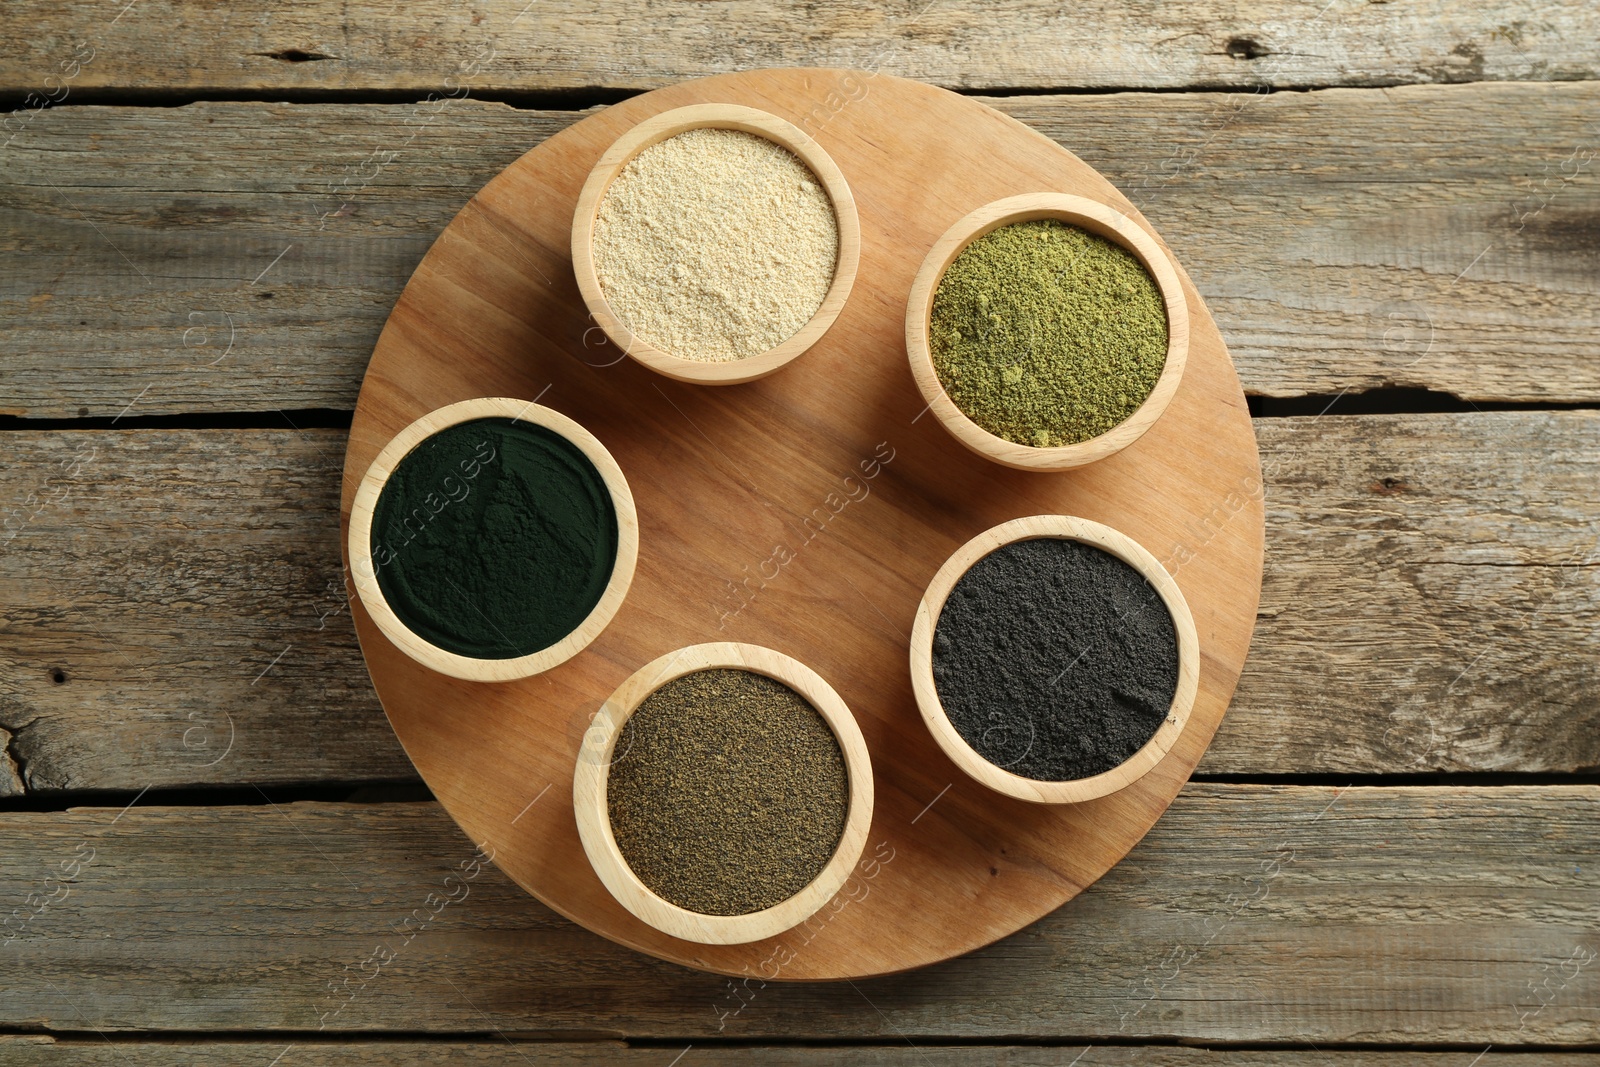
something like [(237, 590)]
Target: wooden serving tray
[(759, 523)]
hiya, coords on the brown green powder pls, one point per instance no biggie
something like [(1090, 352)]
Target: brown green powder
[(727, 792), (1047, 335)]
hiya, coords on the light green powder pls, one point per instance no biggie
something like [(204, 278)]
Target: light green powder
[(1047, 335)]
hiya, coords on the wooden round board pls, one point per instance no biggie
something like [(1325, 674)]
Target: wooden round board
[(807, 512)]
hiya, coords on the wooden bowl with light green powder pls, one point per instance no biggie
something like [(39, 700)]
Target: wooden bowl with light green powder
[(723, 793), (1047, 331), (715, 243)]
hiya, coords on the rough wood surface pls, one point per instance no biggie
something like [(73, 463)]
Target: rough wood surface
[(93, 1051), (174, 605), (1347, 239), (1432, 597), (1261, 913), (169, 46), (171, 611), (163, 570)]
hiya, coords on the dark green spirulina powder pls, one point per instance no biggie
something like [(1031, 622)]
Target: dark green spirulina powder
[(727, 792), (1047, 335), (494, 538), (1054, 659)]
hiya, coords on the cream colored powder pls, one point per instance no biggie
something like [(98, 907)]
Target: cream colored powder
[(715, 244)]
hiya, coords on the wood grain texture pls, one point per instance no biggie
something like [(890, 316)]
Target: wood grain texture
[(1248, 914), (1432, 597), (184, 561), (755, 481), (1328, 231), (185, 588), (44, 1051), (168, 46)]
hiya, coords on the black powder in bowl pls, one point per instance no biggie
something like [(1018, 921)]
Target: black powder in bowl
[(1054, 659), (727, 792)]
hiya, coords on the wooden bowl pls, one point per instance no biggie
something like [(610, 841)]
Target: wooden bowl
[(468, 667), (722, 116), (955, 746), (1085, 214), (594, 818)]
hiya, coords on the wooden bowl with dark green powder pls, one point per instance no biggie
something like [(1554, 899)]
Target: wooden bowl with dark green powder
[(493, 539), (723, 793), (1047, 331), (1054, 659)]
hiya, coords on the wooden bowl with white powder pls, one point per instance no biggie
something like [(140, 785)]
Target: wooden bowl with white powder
[(715, 243)]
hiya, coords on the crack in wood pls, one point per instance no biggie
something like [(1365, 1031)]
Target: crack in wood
[(294, 55)]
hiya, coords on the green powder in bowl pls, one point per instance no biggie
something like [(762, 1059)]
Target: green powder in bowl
[(1047, 335), (494, 538), (727, 792)]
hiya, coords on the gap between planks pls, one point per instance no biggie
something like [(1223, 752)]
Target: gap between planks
[(1346, 240)]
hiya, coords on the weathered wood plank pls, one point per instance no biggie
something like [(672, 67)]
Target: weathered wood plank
[(176, 604), (179, 301), (1435, 237), (169, 46), (1430, 598), (186, 587), (1249, 914), (1346, 239), (115, 1051)]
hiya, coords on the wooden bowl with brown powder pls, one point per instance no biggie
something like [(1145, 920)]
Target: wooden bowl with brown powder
[(715, 243), (1054, 659), (1034, 331), (723, 793)]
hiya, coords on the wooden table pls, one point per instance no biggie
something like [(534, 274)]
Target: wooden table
[(218, 853)]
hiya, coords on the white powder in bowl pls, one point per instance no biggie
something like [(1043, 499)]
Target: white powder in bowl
[(715, 244)]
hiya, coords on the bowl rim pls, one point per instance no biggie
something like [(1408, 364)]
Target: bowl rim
[(1100, 219), (593, 815), (364, 572), (1123, 547), (658, 128)]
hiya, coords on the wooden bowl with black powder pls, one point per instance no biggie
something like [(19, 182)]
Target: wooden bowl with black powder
[(723, 793), (493, 539), (1047, 331), (714, 244), (1054, 659)]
